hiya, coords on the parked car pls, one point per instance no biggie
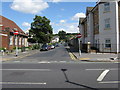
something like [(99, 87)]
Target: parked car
[(56, 45), (52, 46), (44, 47), (49, 47)]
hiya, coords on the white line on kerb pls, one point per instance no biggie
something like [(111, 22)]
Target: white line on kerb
[(101, 77), (31, 83), (25, 69)]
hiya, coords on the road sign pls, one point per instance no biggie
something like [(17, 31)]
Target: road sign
[(16, 33), (79, 35)]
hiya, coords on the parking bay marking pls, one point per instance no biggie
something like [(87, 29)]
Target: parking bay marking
[(105, 82), (25, 69), (103, 69), (103, 74), (20, 83)]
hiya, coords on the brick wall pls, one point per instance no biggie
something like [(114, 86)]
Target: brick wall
[(8, 30)]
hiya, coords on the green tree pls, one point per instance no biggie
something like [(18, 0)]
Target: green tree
[(62, 35), (41, 30)]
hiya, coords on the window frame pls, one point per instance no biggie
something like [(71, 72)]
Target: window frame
[(107, 23), (107, 7), (107, 43)]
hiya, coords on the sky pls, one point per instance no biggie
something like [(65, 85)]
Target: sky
[(63, 15)]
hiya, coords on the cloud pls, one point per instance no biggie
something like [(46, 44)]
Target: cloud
[(61, 29), (72, 29), (62, 21), (69, 28), (52, 23), (62, 9), (78, 15), (55, 1), (26, 24), (27, 30), (29, 6)]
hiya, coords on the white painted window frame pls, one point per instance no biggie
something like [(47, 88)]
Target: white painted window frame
[(107, 23), (107, 42), (107, 7), (11, 40)]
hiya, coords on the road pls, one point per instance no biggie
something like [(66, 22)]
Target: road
[(56, 69)]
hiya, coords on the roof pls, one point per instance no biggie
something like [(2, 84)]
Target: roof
[(89, 9), (106, 1), (7, 23)]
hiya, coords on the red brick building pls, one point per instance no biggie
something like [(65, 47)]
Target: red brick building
[(7, 38)]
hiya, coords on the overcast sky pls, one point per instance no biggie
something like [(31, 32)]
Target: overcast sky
[(63, 15)]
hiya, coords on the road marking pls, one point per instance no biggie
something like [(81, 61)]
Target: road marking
[(31, 83), (102, 69), (16, 61), (44, 62), (72, 56), (105, 82), (62, 61), (25, 69), (101, 77), (84, 58)]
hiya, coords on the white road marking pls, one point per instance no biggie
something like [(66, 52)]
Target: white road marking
[(25, 69), (101, 77), (102, 69), (44, 62), (31, 83), (16, 61), (110, 82), (62, 61)]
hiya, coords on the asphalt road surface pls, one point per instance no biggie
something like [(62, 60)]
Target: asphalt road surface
[(56, 69)]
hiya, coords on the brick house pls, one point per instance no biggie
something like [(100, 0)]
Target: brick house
[(7, 38), (103, 26)]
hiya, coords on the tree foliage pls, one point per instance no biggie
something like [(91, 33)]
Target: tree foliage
[(62, 35), (41, 30)]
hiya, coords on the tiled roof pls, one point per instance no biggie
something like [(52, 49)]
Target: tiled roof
[(9, 23)]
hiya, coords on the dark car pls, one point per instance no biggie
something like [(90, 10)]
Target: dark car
[(44, 47), (56, 45)]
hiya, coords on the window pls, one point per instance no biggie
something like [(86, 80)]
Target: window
[(11, 40), (107, 7), (107, 43), (15, 41), (19, 41), (107, 23), (23, 41)]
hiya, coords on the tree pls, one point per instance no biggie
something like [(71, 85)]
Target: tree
[(41, 30), (62, 35)]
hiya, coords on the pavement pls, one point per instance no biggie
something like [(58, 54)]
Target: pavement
[(94, 57), (11, 56)]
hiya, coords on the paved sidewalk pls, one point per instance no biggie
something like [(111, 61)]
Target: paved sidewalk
[(12, 56), (95, 57)]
